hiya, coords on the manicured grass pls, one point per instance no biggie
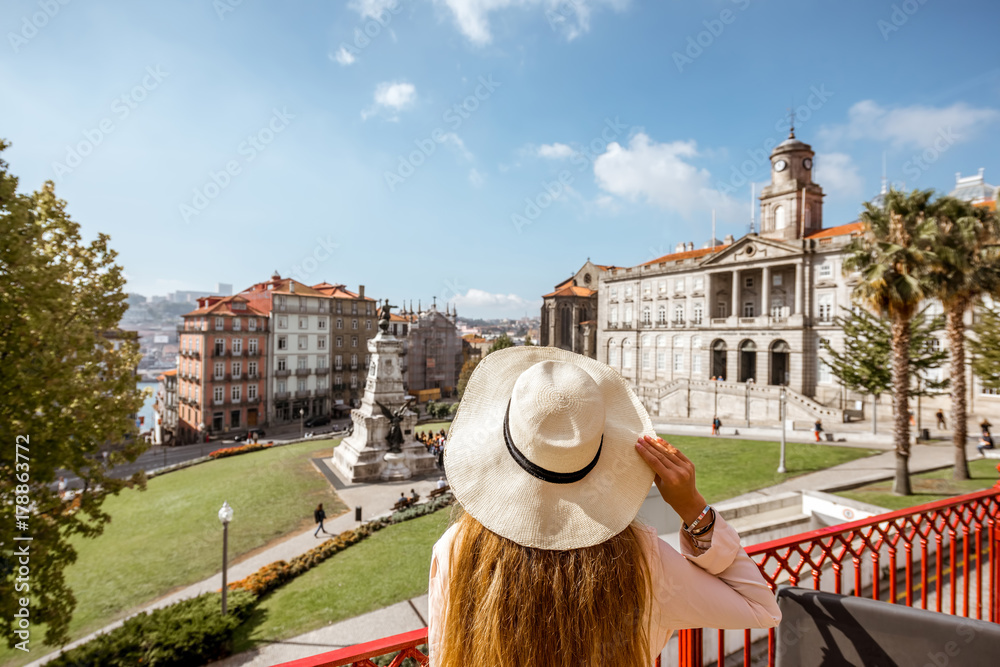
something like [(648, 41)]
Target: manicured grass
[(390, 566), (169, 536), (927, 486), (728, 467)]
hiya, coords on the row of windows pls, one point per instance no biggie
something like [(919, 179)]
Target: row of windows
[(285, 363), (252, 323), (628, 360), (281, 301), (282, 386), (236, 345), (235, 393), (824, 271), (235, 369), (321, 323), (825, 305)]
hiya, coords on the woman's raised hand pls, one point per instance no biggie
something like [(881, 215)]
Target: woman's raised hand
[(674, 476)]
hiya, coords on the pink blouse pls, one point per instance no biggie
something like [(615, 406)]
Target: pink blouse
[(718, 587)]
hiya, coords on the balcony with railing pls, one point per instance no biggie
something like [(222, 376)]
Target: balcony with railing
[(943, 556)]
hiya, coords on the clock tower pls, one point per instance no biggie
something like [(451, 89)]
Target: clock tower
[(791, 207)]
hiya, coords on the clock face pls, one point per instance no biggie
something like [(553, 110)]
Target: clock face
[(780, 165), (807, 163)]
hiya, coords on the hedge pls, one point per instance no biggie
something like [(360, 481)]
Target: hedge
[(189, 632)]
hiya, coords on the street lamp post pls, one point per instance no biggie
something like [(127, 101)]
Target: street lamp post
[(225, 516), (781, 415), (302, 422)]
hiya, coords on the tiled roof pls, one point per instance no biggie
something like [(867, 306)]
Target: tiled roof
[(568, 281), (842, 230), (172, 371), (339, 292), (571, 290), (222, 305), (687, 254)]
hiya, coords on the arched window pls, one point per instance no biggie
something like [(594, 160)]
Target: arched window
[(748, 360), (661, 315), (661, 341), (719, 359), (646, 317), (627, 354), (612, 353), (779, 217)]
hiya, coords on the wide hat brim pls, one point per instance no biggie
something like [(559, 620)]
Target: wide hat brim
[(492, 487)]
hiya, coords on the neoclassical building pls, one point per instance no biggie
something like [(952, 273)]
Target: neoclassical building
[(720, 329)]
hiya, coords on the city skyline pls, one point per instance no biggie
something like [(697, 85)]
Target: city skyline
[(219, 142)]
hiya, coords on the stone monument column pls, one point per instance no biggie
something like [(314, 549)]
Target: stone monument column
[(381, 445)]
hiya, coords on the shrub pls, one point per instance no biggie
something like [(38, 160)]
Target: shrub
[(189, 632)]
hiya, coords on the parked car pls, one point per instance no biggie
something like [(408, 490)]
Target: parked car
[(318, 420), (249, 435)]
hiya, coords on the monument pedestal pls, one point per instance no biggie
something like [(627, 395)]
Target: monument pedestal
[(364, 455)]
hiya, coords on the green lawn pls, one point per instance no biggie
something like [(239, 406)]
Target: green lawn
[(728, 467), (169, 536), (390, 566), (927, 486)]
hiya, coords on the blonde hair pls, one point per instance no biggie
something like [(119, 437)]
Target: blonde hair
[(510, 605)]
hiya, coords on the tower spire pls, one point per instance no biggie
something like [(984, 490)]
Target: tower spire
[(791, 123)]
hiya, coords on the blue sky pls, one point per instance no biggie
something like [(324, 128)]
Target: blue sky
[(478, 151)]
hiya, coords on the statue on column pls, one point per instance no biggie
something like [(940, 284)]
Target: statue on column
[(395, 436), (383, 316)]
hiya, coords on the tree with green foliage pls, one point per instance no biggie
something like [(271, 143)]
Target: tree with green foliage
[(863, 365), (891, 256), (527, 340), (503, 341), (966, 267), (69, 381), (985, 346)]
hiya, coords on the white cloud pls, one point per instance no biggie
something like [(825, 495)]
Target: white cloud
[(476, 178), (394, 96), (660, 174), (372, 9), (487, 304), (555, 151), (571, 18), (839, 175), (909, 127), (343, 56)]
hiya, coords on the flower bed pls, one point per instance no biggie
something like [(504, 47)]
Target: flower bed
[(242, 449)]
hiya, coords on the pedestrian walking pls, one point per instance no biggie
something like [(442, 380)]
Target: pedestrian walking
[(941, 424), (818, 428), (716, 425), (550, 497), (319, 515)]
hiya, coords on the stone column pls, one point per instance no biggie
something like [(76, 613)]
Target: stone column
[(798, 288), (765, 292), (736, 294)]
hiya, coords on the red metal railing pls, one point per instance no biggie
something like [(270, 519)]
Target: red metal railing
[(939, 546)]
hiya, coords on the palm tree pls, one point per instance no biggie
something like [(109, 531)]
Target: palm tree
[(967, 267), (891, 255)]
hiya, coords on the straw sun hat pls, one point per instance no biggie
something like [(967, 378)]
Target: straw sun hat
[(542, 450)]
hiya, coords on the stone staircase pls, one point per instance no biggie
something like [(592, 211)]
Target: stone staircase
[(767, 518)]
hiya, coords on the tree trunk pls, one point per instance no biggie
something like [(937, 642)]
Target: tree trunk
[(875, 414), (955, 330), (901, 403)]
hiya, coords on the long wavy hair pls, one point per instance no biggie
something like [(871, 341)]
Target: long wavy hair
[(510, 605)]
